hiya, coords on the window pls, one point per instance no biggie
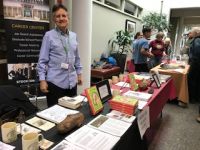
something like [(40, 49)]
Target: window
[(130, 8)]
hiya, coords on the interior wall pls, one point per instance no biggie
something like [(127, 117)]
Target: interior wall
[(105, 22)]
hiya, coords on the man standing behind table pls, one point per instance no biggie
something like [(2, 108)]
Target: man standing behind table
[(59, 66), (141, 52), (194, 71)]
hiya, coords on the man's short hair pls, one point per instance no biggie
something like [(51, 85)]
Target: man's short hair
[(57, 7), (146, 30)]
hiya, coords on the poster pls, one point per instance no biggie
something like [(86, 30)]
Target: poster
[(25, 23)]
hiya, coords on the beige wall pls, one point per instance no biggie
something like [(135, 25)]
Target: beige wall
[(105, 22)]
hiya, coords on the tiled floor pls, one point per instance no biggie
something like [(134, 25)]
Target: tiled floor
[(178, 130)]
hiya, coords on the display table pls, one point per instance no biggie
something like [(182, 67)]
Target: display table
[(105, 73), (180, 80), (131, 139)]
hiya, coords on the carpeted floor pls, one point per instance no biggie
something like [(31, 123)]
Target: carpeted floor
[(178, 129)]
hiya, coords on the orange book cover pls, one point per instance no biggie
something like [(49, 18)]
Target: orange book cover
[(123, 100), (94, 100), (124, 110)]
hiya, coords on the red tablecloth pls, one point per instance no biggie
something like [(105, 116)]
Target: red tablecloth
[(156, 103)]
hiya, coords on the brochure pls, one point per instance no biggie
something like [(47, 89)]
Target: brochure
[(91, 139), (65, 145), (109, 125), (121, 116), (40, 123)]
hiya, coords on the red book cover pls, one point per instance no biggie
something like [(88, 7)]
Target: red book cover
[(94, 100)]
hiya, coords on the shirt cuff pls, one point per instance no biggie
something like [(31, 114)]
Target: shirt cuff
[(42, 78)]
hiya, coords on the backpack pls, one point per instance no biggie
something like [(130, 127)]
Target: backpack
[(14, 104)]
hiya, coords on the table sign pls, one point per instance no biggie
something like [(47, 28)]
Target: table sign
[(143, 121)]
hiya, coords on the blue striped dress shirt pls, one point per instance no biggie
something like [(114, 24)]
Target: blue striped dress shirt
[(57, 48)]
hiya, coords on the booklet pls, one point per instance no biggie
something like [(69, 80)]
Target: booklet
[(121, 116), (65, 145), (91, 139), (40, 123), (56, 113), (109, 125)]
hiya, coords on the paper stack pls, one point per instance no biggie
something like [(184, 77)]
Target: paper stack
[(124, 104), (70, 102)]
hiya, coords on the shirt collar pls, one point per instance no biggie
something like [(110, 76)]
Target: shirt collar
[(61, 32)]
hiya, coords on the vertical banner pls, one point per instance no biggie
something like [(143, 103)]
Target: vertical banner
[(25, 22)]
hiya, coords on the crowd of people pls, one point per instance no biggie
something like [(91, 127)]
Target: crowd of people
[(148, 54)]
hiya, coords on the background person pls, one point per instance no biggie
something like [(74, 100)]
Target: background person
[(187, 45), (141, 52), (59, 66), (157, 49), (194, 70), (137, 36), (168, 48)]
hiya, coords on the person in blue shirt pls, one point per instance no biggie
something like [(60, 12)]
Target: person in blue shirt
[(59, 66), (141, 52)]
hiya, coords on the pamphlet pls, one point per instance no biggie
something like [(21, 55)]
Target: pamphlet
[(40, 123), (24, 128), (109, 125), (65, 145), (56, 113), (90, 139), (121, 116)]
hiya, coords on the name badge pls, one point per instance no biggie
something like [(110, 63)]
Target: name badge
[(64, 66)]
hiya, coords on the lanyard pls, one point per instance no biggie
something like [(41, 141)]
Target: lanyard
[(64, 47)]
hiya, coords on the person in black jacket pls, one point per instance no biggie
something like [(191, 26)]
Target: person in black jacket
[(194, 71)]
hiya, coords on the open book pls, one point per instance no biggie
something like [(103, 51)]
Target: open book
[(56, 113)]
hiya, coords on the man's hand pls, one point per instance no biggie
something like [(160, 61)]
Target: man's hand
[(44, 86), (80, 81)]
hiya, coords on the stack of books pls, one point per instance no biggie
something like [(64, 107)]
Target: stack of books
[(70, 102), (124, 104)]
